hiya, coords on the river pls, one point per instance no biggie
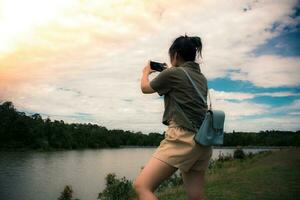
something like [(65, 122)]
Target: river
[(32, 175)]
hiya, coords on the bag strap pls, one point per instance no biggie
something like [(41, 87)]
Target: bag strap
[(178, 106), (199, 93)]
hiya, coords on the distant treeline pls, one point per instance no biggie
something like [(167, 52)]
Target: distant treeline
[(18, 130)]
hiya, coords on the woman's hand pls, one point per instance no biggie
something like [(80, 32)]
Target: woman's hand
[(147, 69), (145, 84)]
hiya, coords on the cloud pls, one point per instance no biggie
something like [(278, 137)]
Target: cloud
[(277, 94), (215, 94), (236, 110), (249, 116), (265, 123), (295, 105), (89, 59), (82, 35), (294, 113), (270, 71), (132, 111), (224, 95)]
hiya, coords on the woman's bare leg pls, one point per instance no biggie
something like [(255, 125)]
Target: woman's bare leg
[(194, 183), (154, 173)]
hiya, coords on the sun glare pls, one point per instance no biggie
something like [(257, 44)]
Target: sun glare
[(18, 18)]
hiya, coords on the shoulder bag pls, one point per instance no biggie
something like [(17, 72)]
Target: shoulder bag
[(212, 126)]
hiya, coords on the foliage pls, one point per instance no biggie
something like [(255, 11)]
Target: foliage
[(263, 138), (67, 193), (117, 189), (238, 154), (170, 182), (17, 130), (223, 157), (122, 188)]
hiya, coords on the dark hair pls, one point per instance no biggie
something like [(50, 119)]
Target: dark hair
[(186, 47)]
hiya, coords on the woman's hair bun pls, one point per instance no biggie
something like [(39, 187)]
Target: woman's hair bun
[(197, 44), (196, 41), (186, 47)]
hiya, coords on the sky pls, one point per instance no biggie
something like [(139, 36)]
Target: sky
[(81, 61)]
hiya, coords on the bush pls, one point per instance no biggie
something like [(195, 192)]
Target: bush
[(238, 154), (172, 181), (67, 193), (250, 155), (223, 157), (117, 189)]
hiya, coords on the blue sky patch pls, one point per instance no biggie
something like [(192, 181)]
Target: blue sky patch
[(286, 44), (274, 101), (228, 85)]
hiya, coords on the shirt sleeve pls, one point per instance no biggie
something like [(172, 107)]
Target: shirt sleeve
[(162, 83)]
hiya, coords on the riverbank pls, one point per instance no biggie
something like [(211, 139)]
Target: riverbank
[(268, 175)]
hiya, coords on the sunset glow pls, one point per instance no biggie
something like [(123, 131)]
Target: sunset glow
[(92, 52), (18, 19)]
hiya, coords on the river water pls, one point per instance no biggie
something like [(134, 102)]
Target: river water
[(32, 175)]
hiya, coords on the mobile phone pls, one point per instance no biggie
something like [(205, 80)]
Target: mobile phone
[(158, 66)]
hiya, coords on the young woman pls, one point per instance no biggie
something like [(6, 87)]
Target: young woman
[(184, 112)]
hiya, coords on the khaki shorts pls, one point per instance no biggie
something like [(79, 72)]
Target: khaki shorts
[(180, 150)]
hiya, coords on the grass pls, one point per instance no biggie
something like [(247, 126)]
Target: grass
[(271, 175)]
